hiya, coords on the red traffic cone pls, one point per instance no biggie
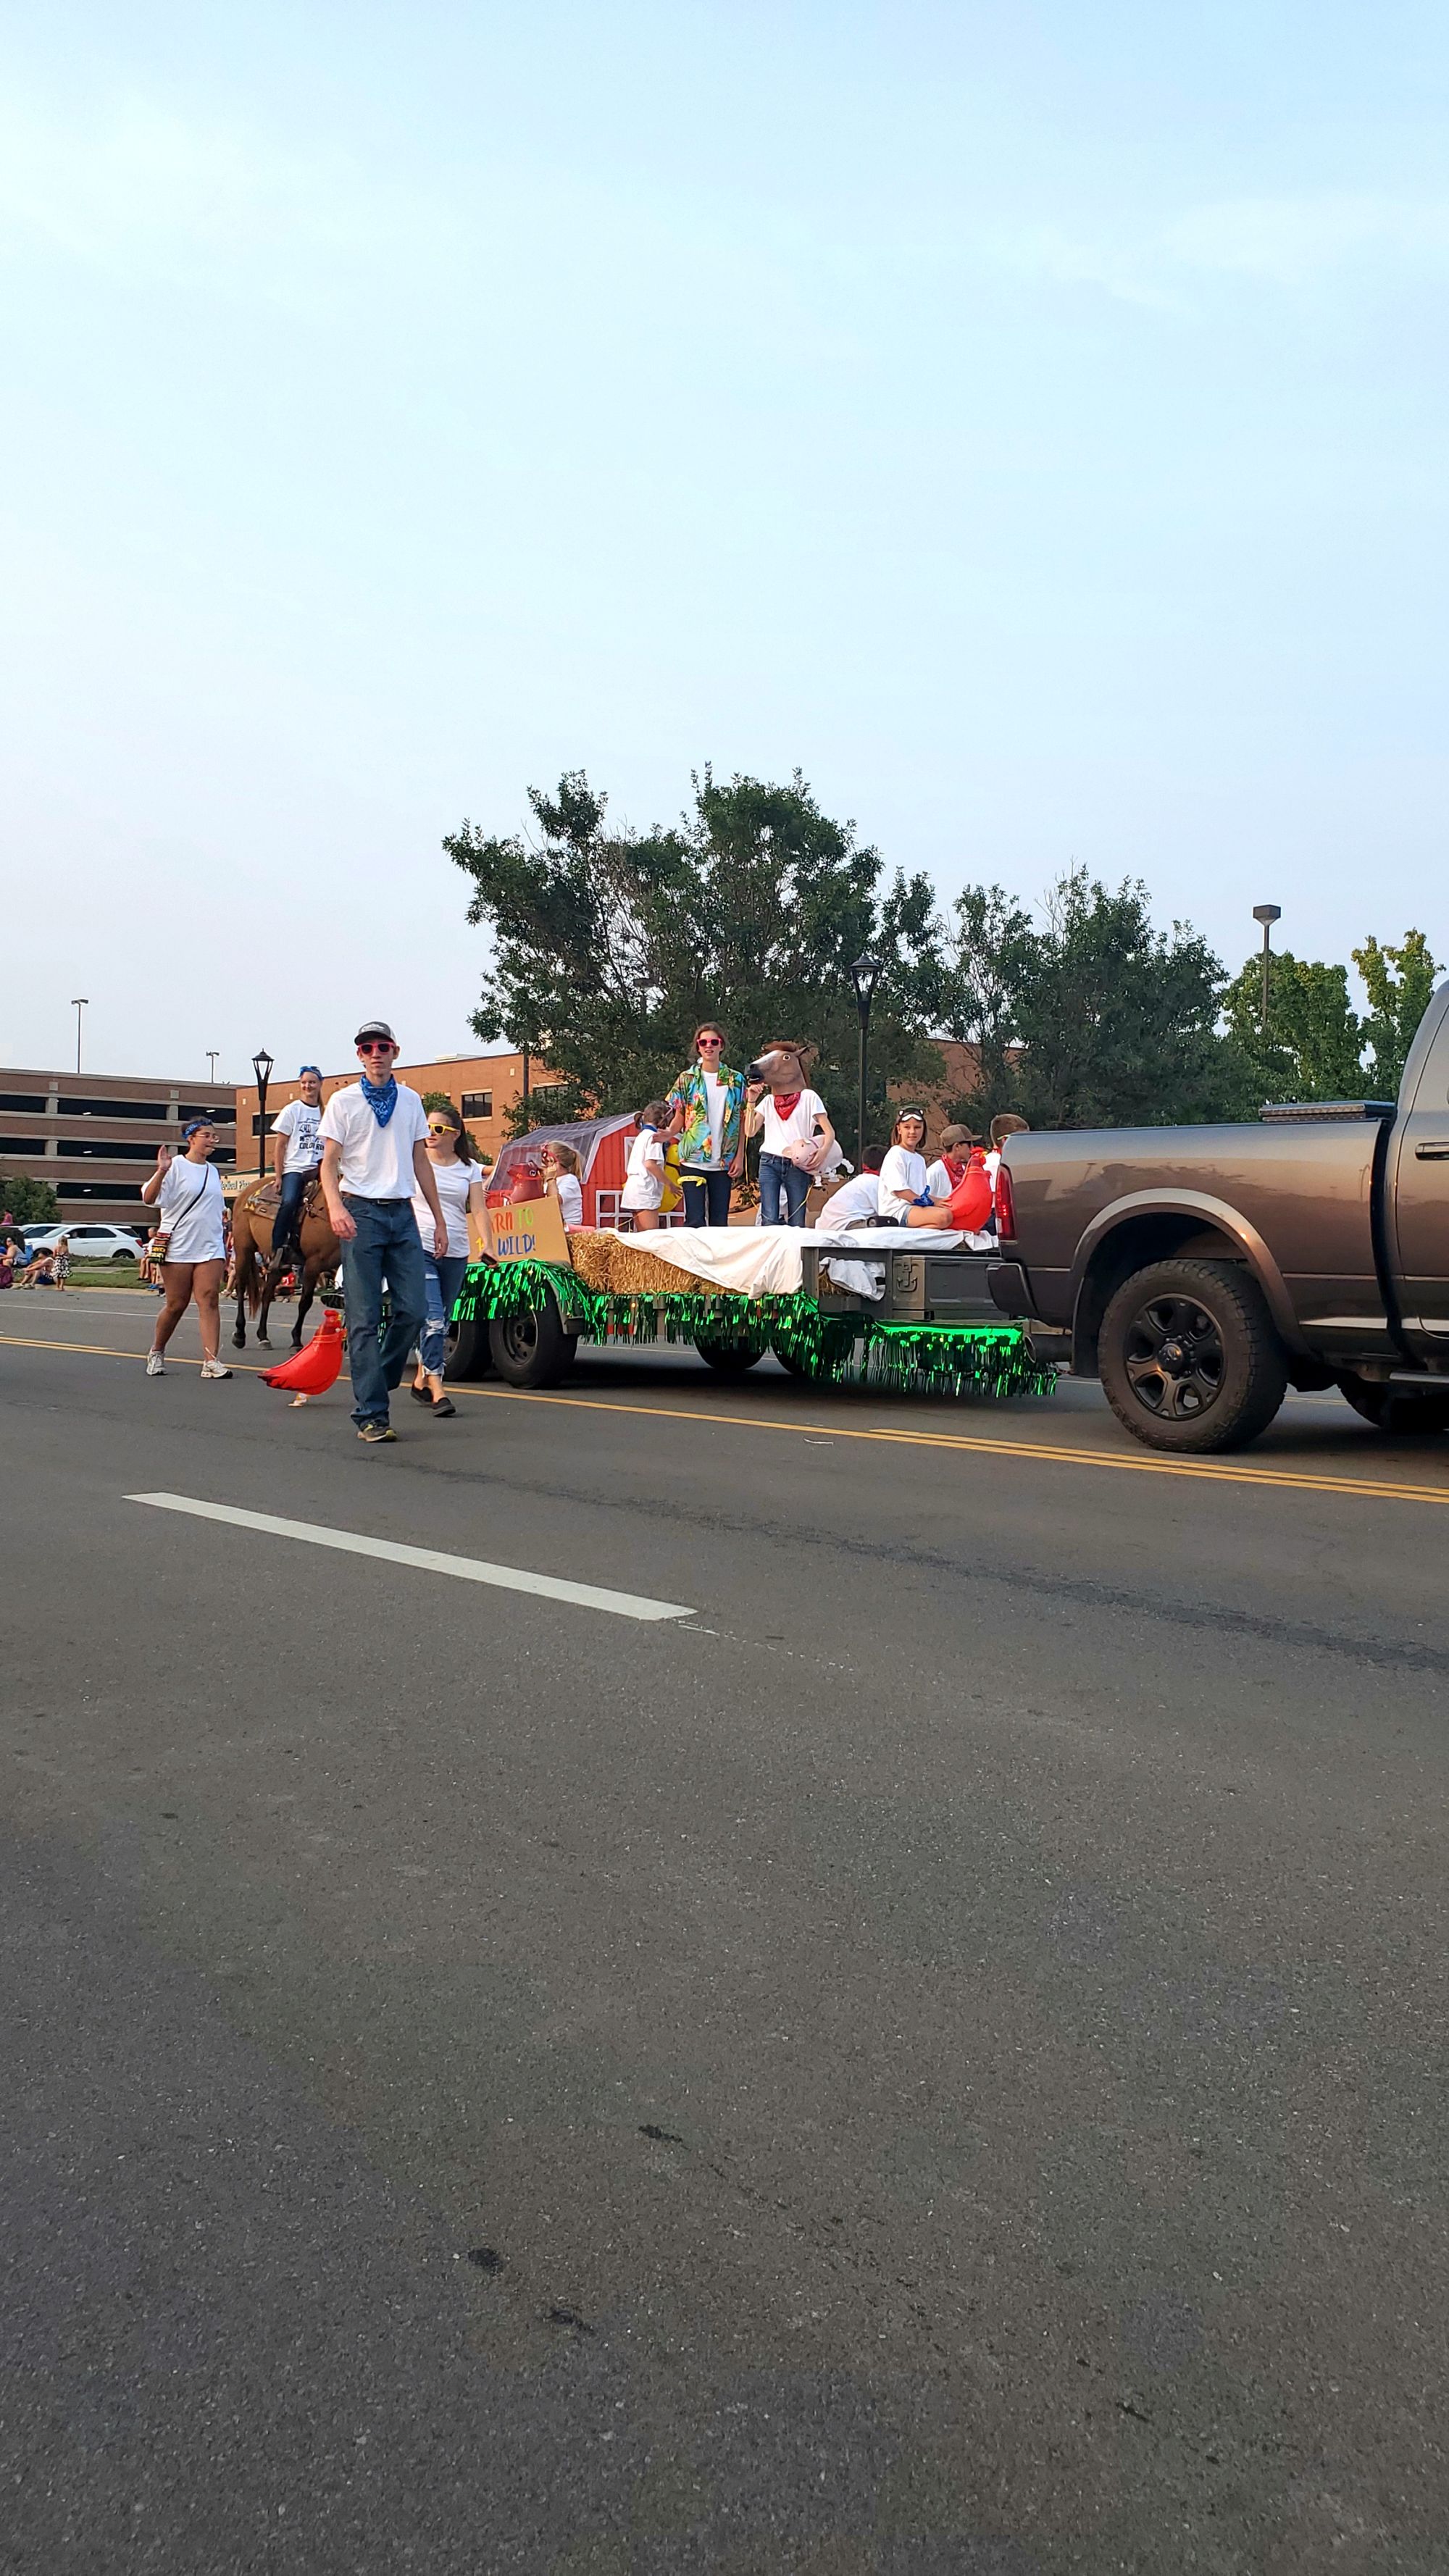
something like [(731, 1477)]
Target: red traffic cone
[(314, 1368)]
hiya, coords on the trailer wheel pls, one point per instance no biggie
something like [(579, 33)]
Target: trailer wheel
[(1396, 1408), (728, 1358), (837, 1343), (1189, 1357), (467, 1352), (532, 1349)]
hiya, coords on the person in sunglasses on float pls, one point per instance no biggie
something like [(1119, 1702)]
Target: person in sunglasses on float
[(296, 1153), (710, 1101), (374, 1162)]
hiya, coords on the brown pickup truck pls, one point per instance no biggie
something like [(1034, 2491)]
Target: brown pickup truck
[(1202, 1271)]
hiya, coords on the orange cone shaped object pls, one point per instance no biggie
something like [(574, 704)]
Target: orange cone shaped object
[(315, 1366)]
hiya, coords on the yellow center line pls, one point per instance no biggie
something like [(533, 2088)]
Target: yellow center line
[(1206, 1469), (104, 1351), (1050, 1453)]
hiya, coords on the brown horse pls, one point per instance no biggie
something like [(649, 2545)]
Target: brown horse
[(256, 1282)]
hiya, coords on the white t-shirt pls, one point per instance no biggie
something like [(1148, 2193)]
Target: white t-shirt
[(454, 1181), (644, 1179), (568, 1189), (859, 1198), (190, 1205), (938, 1179), (377, 1161), (779, 1134), (299, 1124), (902, 1182)]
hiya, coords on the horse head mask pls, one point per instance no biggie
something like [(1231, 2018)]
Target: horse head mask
[(784, 1065)]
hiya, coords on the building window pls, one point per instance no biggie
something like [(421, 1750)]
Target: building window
[(25, 1104), (205, 1109), (22, 1144), (98, 1189), (107, 1148), (477, 1104), (79, 1107)]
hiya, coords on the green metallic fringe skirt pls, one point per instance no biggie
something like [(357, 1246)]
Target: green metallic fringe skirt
[(945, 1359)]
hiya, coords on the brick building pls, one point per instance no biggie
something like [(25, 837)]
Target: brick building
[(94, 1136), (483, 1087)]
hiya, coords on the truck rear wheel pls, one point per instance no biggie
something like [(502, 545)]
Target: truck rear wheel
[(532, 1349), (1395, 1408), (1189, 1356)]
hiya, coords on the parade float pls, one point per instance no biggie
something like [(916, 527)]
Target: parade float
[(873, 1307)]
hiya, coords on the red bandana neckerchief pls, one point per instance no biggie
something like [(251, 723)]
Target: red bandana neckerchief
[(786, 1102)]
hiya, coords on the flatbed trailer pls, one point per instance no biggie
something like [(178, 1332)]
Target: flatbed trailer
[(932, 1325)]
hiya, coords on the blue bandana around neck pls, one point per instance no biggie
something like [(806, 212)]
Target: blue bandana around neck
[(381, 1097)]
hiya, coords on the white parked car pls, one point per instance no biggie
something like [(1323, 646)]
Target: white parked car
[(87, 1242)]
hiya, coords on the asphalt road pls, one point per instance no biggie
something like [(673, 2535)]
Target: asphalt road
[(931, 2062)]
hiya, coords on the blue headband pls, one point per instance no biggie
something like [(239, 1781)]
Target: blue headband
[(309, 1068), (195, 1124)]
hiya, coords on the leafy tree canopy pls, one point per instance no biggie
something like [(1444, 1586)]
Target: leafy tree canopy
[(1314, 1041), (1090, 1017), (28, 1202), (1397, 1003), (610, 945)]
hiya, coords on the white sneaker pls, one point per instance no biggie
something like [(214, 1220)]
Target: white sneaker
[(155, 1365), (214, 1368)]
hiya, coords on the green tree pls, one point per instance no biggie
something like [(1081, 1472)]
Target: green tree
[(1397, 1005), (610, 945), (1313, 1046), (1091, 1017), (28, 1202)]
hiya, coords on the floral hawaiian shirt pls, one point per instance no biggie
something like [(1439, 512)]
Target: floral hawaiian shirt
[(694, 1135)]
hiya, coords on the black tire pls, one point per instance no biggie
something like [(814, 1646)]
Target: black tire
[(1189, 1356), (726, 1358), (1397, 1409), (466, 1351), (838, 1340), (532, 1349)]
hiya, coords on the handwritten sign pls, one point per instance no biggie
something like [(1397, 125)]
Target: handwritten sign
[(532, 1231)]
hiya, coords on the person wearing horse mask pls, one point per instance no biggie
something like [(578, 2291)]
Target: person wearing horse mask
[(296, 1160)]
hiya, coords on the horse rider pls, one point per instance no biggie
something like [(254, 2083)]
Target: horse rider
[(296, 1160)]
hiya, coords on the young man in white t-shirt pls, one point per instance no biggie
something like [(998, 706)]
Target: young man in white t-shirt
[(374, 1161), (296, 1154)]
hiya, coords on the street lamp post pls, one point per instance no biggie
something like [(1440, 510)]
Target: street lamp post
[(79, 1003), (864, 975), (211, 1055), (1267, 913), (262, 1064)]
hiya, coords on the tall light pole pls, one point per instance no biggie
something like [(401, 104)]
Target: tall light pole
[(864, 975), (79, 1003), (211, 1055), (1267, 913), (262, 1064)]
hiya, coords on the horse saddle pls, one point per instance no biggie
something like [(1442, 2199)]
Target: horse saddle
[(264, 1198)]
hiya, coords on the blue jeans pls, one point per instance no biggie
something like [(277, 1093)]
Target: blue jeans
[(289, 1207), (706, 1197), (385, 1246), (442, 1279), (778, 1177)]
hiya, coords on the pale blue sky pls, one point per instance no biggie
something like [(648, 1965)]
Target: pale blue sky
[(1027, 419)]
